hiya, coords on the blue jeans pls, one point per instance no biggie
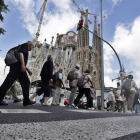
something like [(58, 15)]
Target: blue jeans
[(136, 108)]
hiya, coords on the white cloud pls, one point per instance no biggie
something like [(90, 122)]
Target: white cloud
[(2, 66), (60, 19), (108, 82), (126, 42), (115, 2)]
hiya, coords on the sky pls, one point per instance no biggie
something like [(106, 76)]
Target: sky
[(120, 29)]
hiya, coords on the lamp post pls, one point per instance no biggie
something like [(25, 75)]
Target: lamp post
[(102, 62)]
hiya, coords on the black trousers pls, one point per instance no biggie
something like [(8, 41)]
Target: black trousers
[(13, 75), (45, 88), (90, 101), (83, 91)]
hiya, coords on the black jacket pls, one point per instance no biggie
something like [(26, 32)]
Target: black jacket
[(24, 49), (47, 69)]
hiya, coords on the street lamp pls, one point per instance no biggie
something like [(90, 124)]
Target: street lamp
[(102, 62)]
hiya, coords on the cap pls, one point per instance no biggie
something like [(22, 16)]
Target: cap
[(111, 89), (78, 65), (130, 77)]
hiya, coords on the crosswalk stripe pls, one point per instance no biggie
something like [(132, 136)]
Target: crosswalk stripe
[(83, 111), (22, 111)]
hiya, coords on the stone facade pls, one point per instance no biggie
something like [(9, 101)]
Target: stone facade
[(70, 49)]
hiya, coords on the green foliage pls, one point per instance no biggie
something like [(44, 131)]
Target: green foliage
[(2, 31), (3, 8)]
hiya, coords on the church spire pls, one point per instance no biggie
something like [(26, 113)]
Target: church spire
[(95, 25), (86, 19), (94, 41), (99, 30)]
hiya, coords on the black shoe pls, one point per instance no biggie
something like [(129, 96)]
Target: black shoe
[(3, 103), (29, 103), (15, 101)]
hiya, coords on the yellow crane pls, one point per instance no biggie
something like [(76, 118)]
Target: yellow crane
[(41, 18)]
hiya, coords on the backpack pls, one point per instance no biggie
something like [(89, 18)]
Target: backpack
[(127, 84), (55, 77), (12, 56), (71, 75), (80, 82)]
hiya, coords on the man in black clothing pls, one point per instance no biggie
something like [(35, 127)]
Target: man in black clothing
[(46, 77), (18, 71)]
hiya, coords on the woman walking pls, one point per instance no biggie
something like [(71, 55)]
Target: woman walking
[(46, 77), (85, 89)]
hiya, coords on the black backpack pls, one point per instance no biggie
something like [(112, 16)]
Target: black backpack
[(12, 56), (55, 77)]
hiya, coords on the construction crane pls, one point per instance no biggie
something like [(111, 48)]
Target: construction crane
[(95, 15), (83, 13), (41, 18)]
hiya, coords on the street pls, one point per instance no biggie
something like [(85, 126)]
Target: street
[(20, 122)]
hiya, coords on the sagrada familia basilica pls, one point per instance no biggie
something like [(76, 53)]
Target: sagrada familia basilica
[(70, 49)]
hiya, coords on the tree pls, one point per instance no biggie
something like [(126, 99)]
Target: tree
[(3, 8)]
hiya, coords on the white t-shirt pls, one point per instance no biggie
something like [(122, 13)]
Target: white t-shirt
[(110, 95), (60, 75)]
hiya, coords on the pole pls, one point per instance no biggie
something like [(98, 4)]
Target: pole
[(102, 62)]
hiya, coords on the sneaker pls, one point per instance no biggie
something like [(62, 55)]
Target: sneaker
[(91, 108), (16, 101), (133, 112), (29, 103), (3, 103), (129, 112), (75, 106), (45, 104)]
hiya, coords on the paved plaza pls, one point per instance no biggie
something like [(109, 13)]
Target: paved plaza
[(38, 122)]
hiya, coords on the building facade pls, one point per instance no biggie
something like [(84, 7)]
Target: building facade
[(68, 50)]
